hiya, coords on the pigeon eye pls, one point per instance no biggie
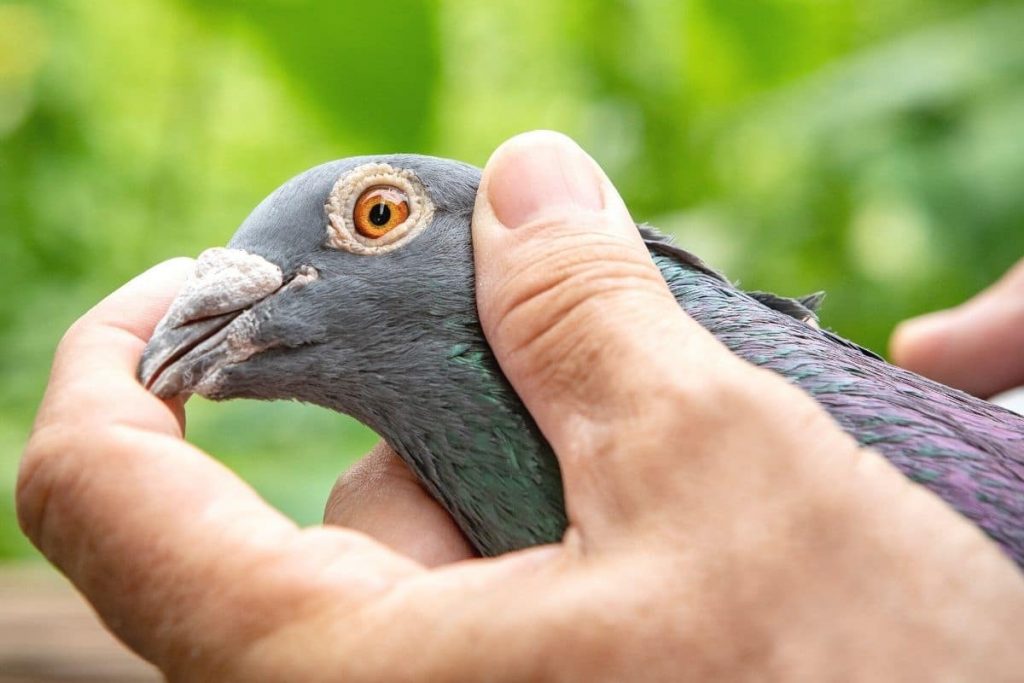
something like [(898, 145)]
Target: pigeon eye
[(379, 210), (376, 208)]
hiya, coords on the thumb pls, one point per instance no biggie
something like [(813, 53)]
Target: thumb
[(977, 346), (585, 327)]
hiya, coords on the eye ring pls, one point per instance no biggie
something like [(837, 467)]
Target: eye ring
[(354, 197)]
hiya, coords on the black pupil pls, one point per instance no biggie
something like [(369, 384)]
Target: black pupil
[(380, 214)]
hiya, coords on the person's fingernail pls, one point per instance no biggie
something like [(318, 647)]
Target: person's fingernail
[(541, 173)]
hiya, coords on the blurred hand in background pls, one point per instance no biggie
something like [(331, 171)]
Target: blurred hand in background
[(977, 346)]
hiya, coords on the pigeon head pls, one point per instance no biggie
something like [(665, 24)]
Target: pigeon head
[(351, 287), (333, 288)]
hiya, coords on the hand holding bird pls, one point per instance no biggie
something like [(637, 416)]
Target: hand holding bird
[(721, 525)]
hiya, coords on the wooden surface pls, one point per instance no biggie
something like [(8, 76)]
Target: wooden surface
[(49, 633)]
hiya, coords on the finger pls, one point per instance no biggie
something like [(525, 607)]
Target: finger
[(146, 298), (163, 540), (977, 347), (382, 498), (619, 380)]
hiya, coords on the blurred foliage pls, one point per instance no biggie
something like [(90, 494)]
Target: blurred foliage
[(872, 148)]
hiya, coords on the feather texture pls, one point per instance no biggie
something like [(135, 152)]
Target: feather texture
[(968, 451)]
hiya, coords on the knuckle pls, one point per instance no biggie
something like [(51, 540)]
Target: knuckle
[(335, 507), (56, 479), (347, 488), (32, 492), (553, 302), (43, 479), (379, 471), (712, 407)]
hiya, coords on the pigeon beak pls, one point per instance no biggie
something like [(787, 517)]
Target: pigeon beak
[(210, 323)]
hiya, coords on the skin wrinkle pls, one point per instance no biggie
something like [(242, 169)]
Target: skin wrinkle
[(597, 508), (552, 348), (305, 600), (574, 383), (576, 284), (524, 278), (581, 280), (559, 252), (582, 292), (562, 370), (535, 576), (370, 474)]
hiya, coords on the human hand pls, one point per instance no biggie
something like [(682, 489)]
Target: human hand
[(977, 347), (721, 525)]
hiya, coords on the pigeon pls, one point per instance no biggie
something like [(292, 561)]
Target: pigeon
[(352, 287)]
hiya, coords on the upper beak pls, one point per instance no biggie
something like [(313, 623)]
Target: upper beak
[(210, 323)]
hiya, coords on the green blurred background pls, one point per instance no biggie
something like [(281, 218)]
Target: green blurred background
[(872, 148)]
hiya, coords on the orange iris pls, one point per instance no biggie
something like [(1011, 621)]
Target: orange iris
[(379, 210)]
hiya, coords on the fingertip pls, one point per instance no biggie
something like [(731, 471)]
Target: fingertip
[(542, 175), (167, 275), (380, 497), (178, 266), (974, 347), (540, 194), (916, 343), (94, 367), (177, 407), (139, 304)]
